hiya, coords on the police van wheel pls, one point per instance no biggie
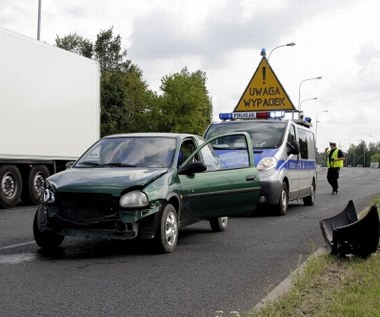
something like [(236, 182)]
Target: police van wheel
[(282, 206), (309, 200)]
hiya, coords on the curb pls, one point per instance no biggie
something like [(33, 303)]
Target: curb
[(286, 284)]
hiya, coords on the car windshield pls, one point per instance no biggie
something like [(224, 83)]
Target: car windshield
[(130, 151), (264, 134)]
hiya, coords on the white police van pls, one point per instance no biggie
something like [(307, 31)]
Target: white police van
[(284, 153)]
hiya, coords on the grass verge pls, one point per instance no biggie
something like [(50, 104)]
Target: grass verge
[(331, 286)]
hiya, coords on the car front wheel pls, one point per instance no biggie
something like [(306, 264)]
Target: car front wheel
[(45, 239), (167, 231), (219, 224)]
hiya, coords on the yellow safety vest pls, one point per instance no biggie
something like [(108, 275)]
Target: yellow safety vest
[(333, 163)]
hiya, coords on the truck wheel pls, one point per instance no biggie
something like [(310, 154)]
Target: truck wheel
[(282, 206), (45, 239), (218, 224), (37, 176), (309, 200), (167, 230), (10, 186)]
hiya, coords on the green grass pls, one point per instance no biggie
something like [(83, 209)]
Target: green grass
[(331, 287)]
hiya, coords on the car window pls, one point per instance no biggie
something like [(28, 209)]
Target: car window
[(130, 151), (226, 152)]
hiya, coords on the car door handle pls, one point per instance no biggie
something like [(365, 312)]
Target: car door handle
[(250, 178)]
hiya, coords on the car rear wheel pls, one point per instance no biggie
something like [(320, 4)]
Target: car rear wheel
[(282, 206), (167, 230), (309, 200), (218, 224), (45, 239)]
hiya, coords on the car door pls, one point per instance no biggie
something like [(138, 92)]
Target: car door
[(229, 187)]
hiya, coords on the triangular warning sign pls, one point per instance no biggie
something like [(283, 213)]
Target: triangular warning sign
[(264, 92)]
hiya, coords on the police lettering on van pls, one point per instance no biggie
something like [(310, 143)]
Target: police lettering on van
[(284, 153)]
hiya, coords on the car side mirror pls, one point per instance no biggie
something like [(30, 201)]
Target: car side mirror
[(69, 164), (293, 147), (192, 168)]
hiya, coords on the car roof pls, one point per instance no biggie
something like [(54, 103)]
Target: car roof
[(179, 136)]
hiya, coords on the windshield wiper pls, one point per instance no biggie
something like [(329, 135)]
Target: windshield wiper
[(89, 163)]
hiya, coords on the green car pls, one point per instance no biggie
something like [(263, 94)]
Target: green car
[(147, 186)]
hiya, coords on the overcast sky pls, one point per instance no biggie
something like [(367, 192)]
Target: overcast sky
[(335, 39)]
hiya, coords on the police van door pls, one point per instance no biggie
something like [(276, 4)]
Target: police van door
[(293, 165)]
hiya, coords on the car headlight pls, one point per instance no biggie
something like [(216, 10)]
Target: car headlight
[(266, 164), (47, 195), (134, 199)]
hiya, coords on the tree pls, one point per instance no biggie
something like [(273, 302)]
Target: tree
[(185, 104), (124, 93), (76, 44)]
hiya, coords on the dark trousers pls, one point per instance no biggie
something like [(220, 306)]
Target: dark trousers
[(332, 177)]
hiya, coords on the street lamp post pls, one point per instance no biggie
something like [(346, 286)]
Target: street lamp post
[(316, 123), (299, 89), (289, 44), (315, 98), (39, 20)]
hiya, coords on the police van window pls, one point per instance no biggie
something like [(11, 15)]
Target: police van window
[(292, 134), (264, 134), (303, 141), (311, 144)]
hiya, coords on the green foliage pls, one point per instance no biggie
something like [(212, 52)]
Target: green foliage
[(127, 104), (108, 52), (185, 103), (375, 158), (76, 44)]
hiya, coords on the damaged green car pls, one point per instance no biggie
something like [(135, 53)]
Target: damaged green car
[(147, 186)]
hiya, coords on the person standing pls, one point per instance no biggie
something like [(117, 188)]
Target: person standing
[(334, 161)]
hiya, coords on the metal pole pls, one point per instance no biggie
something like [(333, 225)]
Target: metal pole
[(289, 44), (39, 20)]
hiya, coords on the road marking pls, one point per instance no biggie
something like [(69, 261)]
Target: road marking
[(16, 245), (16, 258)]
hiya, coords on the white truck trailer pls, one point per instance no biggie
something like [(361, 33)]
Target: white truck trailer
[(49, 113)]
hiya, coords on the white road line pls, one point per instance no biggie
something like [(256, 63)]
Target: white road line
[(16, 245)]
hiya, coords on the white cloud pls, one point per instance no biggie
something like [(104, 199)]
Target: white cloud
[(334, 39)]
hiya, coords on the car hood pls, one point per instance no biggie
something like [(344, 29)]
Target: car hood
[(111, 180)]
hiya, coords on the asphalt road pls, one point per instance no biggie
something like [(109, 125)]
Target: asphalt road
[(208, 272)]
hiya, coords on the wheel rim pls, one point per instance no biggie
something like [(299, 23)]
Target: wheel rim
[(38, 182), (171, 229), (9, 186), (284, 199), (223, 221)]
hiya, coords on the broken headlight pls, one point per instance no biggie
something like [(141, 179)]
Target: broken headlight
[(134, 199)]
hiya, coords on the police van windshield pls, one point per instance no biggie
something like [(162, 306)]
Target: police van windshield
[(264, 134)]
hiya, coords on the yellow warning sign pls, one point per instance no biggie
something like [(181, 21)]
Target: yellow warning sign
[(264, 92)]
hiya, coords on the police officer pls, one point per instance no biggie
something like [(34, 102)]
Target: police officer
[(334, 161)]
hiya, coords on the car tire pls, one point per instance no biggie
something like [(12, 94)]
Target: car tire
[(10, 186), (167, 231), (37, 176), (219, 224), (283, 202), (309, 200), (45, 239)]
